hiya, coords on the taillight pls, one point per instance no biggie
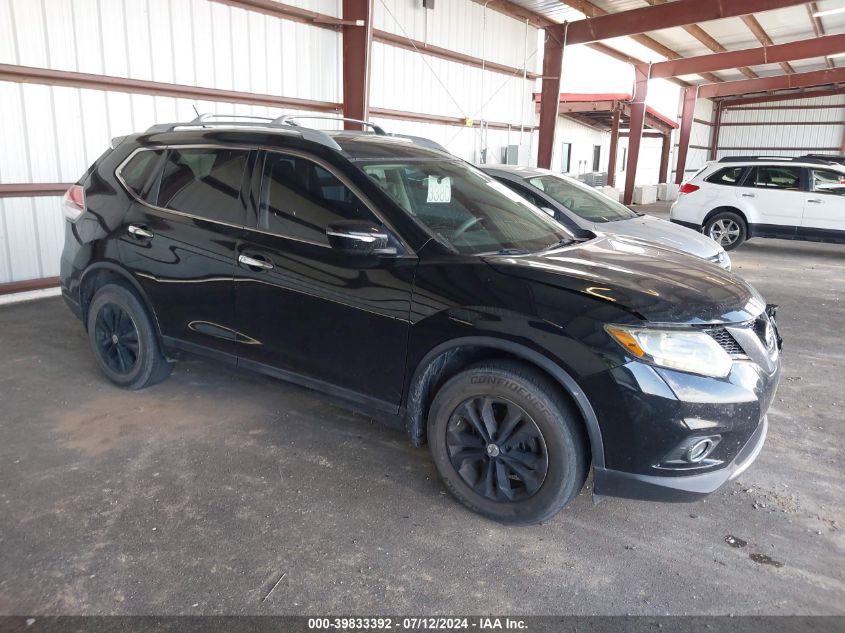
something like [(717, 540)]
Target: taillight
[(73, 203), (688, 188)]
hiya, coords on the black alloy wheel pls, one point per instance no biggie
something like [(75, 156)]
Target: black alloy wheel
[(507, 442), (117, 338), (497, 449), (124, 339)]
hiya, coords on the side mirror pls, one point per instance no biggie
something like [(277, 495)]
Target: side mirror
[(359, 237)]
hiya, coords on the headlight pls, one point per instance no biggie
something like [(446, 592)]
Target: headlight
[(685, 350)]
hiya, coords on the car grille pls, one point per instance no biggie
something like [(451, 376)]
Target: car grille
[(728, 343)]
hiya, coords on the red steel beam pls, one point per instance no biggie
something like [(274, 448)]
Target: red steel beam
[(664, 16), (357, 50), (34, 189), (614, 147), (440, 119), (791, 96), (781, 82), (714, 131), (287, 12), (818, 28), (550, 94), (637, 109), (663, 175), (28, 284), (29, 74), (803, 49), (401, 41), (687, 118), (759, 32)]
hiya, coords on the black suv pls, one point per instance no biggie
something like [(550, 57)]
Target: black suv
[(410, 285)]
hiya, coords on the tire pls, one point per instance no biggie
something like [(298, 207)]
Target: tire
[(727, 229), (123, 339), (510, 482)]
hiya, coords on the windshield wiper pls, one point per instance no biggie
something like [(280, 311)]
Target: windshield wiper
[(566, 241), (507, 251)]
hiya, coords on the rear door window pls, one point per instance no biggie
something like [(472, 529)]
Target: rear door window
[(204, 182), (727, 176), (774, 177)]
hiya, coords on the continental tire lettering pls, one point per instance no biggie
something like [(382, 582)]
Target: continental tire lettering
[(511, 386)]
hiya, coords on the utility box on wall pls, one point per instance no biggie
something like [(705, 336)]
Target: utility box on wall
[(516, 154)]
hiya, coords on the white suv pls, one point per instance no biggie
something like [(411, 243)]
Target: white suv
[(741, 197)]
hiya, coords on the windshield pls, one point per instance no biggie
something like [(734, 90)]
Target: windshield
[(465, 208), (582, 200)]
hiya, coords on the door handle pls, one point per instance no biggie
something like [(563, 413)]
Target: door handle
[(748, 195), (253, 262), (140, 232), (814, 200)]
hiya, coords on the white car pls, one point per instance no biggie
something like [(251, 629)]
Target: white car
[(738, 198)]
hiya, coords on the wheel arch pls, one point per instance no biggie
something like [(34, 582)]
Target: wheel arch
[(726, 208), (101, 273), (450, 357)]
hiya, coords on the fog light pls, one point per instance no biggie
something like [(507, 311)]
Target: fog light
[(698, 451)]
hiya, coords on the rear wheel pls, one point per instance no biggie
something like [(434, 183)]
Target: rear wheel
[(727, 229), (506, 443), (123, 338)]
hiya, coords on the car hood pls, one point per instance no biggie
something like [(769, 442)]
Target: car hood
[(659, 284), (663, 233)]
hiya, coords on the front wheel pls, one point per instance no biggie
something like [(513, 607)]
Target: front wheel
[(507, 443), (726, 229), (123, 339)]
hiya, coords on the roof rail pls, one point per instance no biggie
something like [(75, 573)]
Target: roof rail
[(290, 119), (769, 159), (205, 120)]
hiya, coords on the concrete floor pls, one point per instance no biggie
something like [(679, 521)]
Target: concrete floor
[(225, 492)]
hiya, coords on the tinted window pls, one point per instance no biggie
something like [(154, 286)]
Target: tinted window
[(582, 200), (204, 182), (299, 199), (465, 208), (726, 176), (138, 172), (825, 181), (774, 177)]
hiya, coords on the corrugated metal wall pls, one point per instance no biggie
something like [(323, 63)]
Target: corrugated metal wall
[(51, 134), (788, 128), (415, 82)]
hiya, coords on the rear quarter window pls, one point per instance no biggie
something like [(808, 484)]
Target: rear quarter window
[(138, 173), (726, 176)]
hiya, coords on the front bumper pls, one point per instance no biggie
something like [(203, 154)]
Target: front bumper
[(689, 225), (650, 417), (614, 483)]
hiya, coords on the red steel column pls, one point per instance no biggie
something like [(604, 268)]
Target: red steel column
[(357, 45), (550, 94), (717, 127), (614, 146), (687, 116), (664, 158), (635, 129)]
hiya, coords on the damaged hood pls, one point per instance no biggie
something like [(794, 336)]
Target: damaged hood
[(661, 285)]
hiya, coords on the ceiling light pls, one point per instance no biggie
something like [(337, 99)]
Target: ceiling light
[(821, 14)]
